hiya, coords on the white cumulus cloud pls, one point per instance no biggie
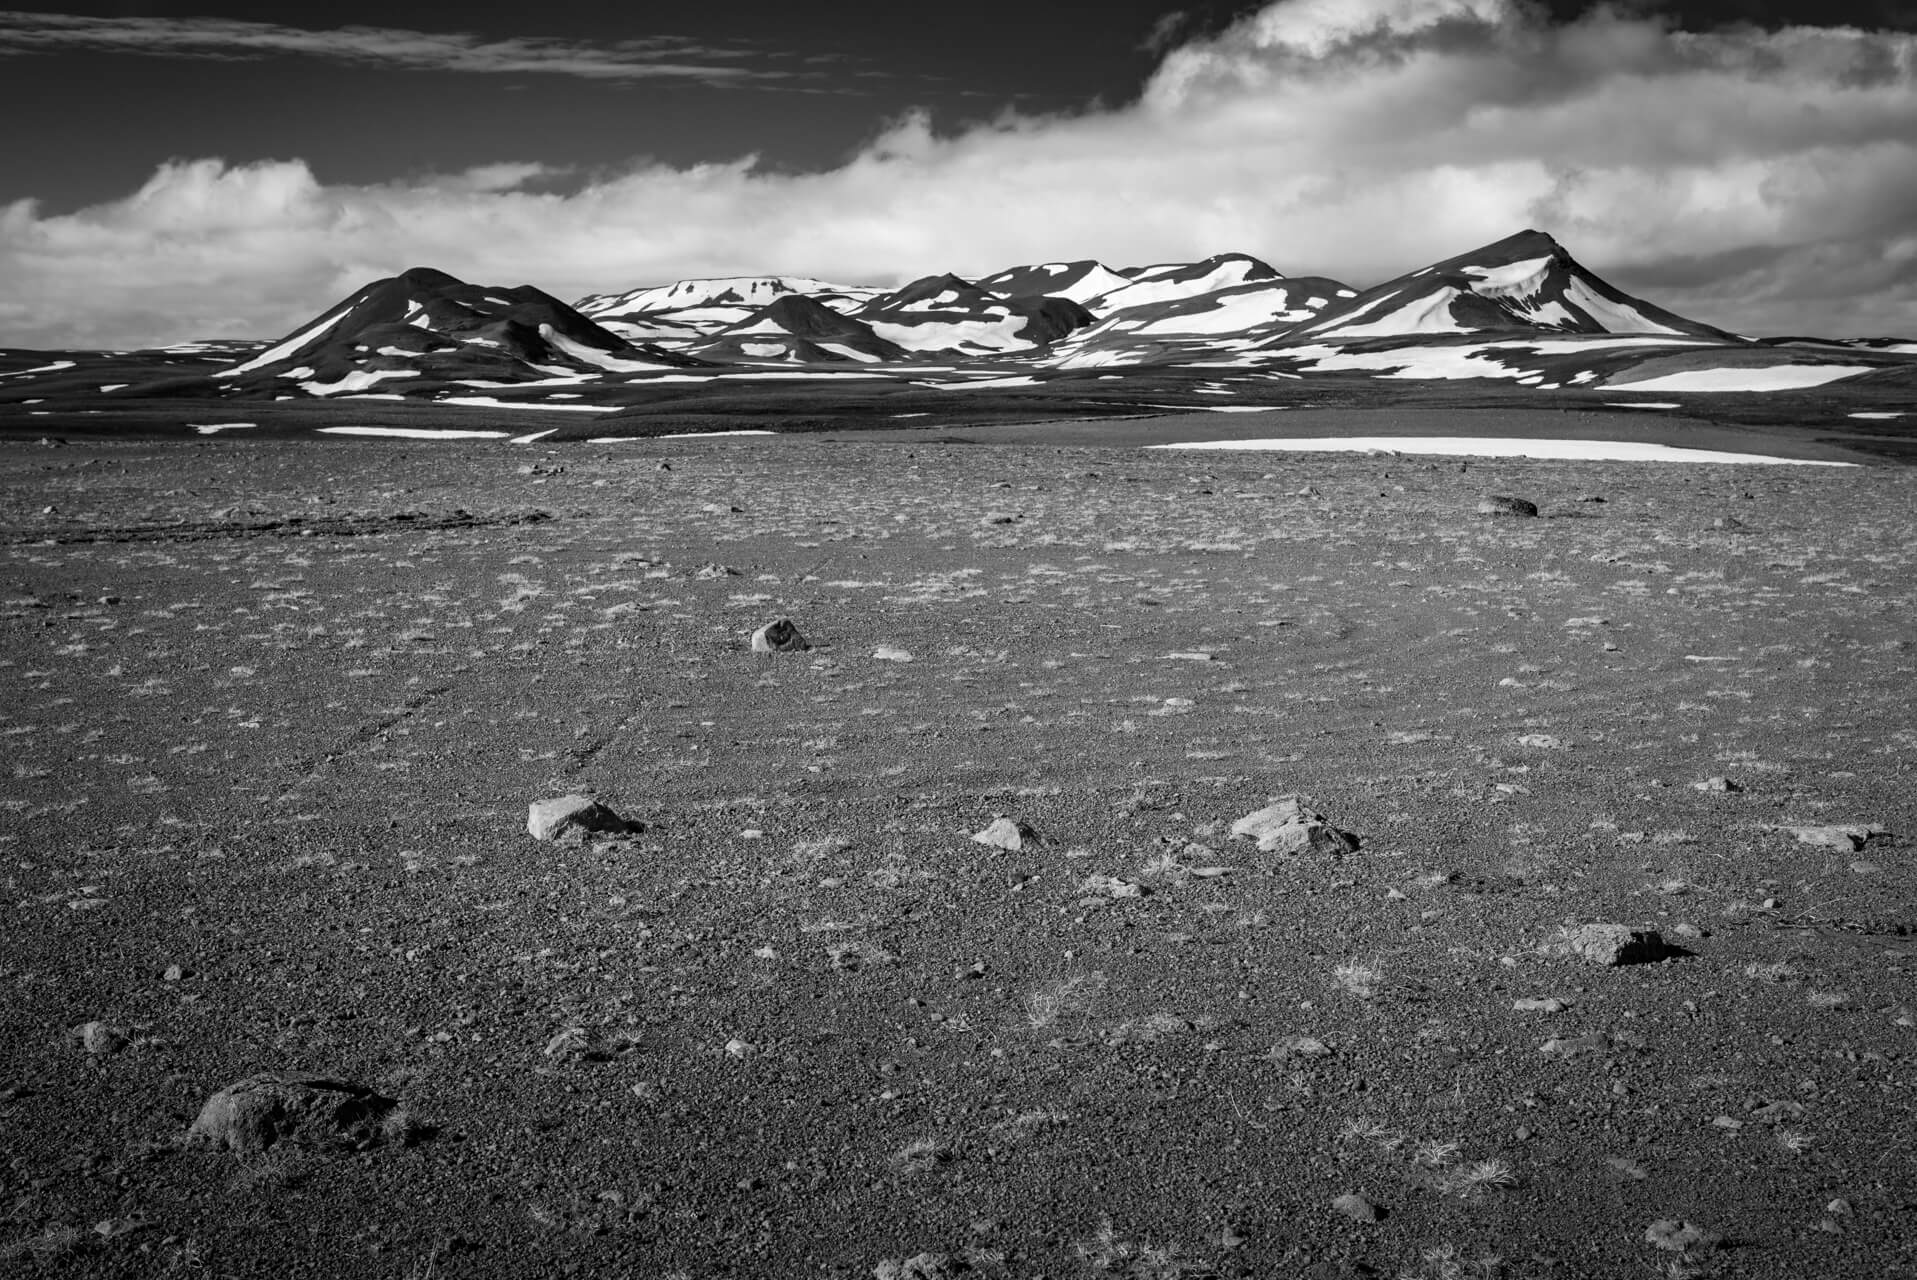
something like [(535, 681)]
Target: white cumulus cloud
[(1764, 181)]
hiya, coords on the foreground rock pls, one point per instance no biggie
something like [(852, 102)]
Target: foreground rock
[(1497, 504), (100, 1038), (1847, 836), (1680, 1237), (779, 636), (1357, 1208), (1005, 833), (1609, 944), (572, 817), (1287, 827), (265, 1110)]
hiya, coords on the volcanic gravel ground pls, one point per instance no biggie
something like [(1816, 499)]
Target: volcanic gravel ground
[(275, 713)]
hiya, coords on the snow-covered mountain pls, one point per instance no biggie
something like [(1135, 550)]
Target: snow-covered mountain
[(426, 327), (944, 313), (1176, 281), (696, 310), (799, 330), (1524, 282), (1078, 281), (1225, 333)]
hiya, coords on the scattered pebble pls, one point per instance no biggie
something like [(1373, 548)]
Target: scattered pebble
[(1678, 1237), (1563, 1050), (1357, 1208), (99, 1039)]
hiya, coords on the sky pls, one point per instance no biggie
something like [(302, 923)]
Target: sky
[(186, 170)]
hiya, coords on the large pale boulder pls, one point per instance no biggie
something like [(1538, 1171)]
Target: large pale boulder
[(1287, 827), (572, 816)]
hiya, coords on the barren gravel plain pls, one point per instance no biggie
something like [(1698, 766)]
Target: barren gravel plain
[(275, 711)]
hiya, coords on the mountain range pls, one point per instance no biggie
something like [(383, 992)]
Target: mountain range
[(1220, 333)]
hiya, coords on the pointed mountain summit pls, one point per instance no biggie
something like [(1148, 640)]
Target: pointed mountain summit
[(1075, 280), (1172, 281), (424, 324), (1523, 282)]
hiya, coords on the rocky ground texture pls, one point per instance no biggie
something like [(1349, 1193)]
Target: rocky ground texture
[(1152, 865)]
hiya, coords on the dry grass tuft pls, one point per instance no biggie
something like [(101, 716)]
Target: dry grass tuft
[(1067, 997), (1139, 1259), (1360, 980)]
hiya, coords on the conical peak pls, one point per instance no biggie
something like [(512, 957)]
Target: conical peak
[(428, 278), (1529, 243)]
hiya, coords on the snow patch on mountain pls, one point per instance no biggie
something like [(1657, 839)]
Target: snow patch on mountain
[(1770, 378), (357, 380)]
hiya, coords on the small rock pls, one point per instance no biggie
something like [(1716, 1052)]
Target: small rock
[(1287, 827), (572, 816), (1539, 1004), (1609, 944), (709, 571), (1563, 1050), (273, 1107), (1109, 886), (741, 1048), (569, 1045), (1849, 836), (174, 973), (1678, 1237), (1357, 1208), (1497, 504), (1004, 833), (779, 636), (1717, 784), (99, 1039), (890, 653)]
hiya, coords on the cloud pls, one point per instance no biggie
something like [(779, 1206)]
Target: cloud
[(222, 38), (1761, 180), (1164, 32)]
